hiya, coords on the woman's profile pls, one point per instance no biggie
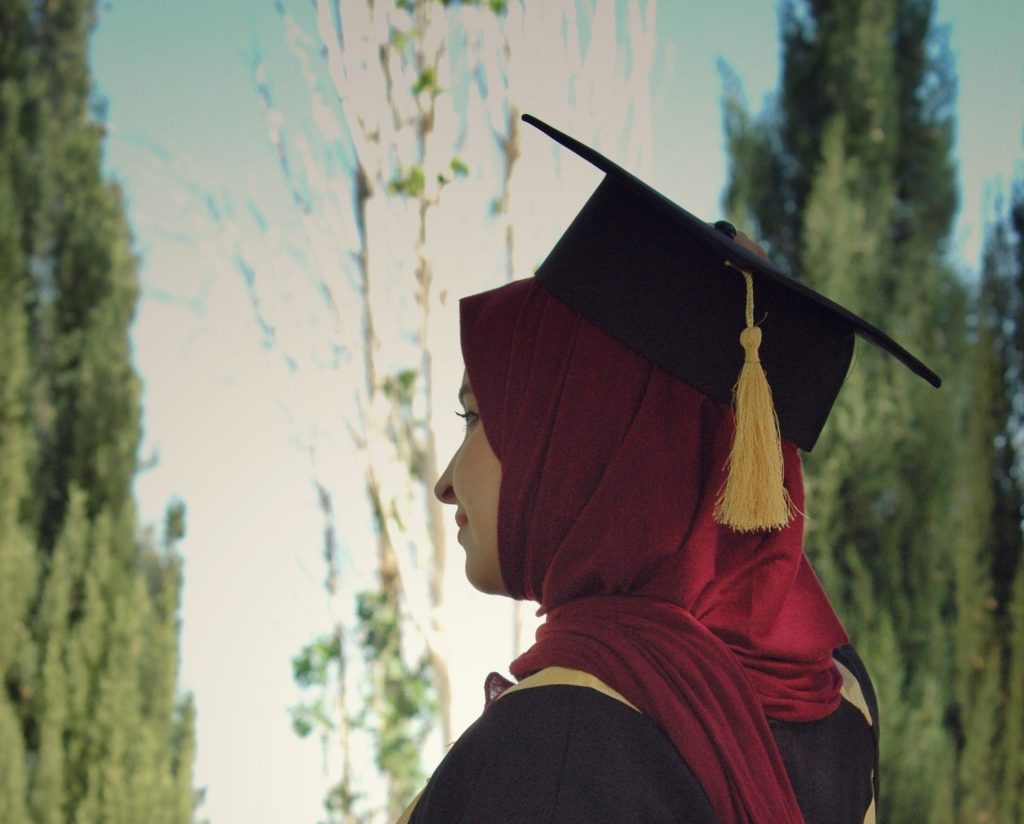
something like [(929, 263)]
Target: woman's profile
[(690, 667)]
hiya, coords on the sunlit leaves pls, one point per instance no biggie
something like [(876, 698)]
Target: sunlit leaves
[(427, 82), (401, 696), (307, 718), (310, 666), (409, 183), (400, 386)]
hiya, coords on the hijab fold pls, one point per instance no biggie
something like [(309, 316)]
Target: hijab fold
[(610, 471)]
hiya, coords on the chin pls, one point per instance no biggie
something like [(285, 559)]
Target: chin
[(488, 582), (491, 589)]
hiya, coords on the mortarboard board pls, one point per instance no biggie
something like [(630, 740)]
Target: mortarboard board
[(667, 285), (655, 277)]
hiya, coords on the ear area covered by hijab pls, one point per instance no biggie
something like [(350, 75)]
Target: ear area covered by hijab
[(610, 471)]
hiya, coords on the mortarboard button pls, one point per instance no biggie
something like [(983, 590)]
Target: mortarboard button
[(726, 228)]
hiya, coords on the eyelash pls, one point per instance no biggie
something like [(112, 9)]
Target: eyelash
[(468, 417)]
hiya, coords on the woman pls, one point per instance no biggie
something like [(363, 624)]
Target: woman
[(690, 667)]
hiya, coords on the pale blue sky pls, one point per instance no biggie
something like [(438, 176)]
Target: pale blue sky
[(182, 107)]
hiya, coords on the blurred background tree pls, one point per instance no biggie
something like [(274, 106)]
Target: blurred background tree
[(421, 99), (91, 726), (914, 495), (988, 710)]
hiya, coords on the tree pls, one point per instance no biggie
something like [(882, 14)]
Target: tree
[(18, 564), (848, 178), (90, 725), (990, 556), (422, 101)]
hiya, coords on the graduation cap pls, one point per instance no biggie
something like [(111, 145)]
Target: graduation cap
[(682, 293)]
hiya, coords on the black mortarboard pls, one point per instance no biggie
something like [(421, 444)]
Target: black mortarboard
[(682, 293), (667, 285)]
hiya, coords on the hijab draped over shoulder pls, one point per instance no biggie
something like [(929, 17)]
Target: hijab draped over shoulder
[(610, 472)]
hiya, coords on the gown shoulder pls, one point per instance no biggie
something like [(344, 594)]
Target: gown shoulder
[(833, 763), (569, 753), (562, 754)]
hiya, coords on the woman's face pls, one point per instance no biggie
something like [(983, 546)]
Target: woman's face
[(471, 482)]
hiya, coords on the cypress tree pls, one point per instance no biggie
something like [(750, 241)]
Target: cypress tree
[(1011, 795), (990, 543), (848, 180), (1011, 799), (17, 555), (990, 581), (91, 728)]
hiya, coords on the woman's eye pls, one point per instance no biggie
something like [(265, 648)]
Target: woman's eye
[(469, 417)]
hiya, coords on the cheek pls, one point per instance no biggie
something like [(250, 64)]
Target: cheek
[(476, 478), (476, 474)]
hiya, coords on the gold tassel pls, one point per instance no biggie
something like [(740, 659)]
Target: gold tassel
[(754, 496)]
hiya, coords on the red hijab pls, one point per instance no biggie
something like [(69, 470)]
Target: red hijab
[(610, 470)]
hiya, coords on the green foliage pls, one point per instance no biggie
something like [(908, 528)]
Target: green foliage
[(400, 387), (318, 668), (396, 708), (90, 726), (990, 560), (459, 169), (427, 82), (1011, 755), (412, 182), (409, 183), (341, 801), (398, 39), (310, 718), (18, 564), (310, 667), (914, 497), (405, 427), (13, 808), (400, 697), (174, 522), (498, 7)]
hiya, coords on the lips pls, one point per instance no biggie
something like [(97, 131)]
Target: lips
[(461, 519)]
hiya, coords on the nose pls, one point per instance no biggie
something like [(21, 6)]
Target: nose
[(443, 490)]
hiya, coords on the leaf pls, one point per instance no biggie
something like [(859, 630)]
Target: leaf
[(399, 387), (411, 184), (426, 82)]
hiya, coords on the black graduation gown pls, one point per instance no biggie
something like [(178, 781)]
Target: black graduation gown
[(572, 754)]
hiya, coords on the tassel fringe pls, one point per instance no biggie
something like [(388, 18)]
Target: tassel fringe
[(754, 496)]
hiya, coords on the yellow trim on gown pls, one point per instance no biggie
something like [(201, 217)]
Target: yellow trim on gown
[(551, 676)]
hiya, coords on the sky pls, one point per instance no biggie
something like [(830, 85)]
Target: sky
[(219, 408)]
